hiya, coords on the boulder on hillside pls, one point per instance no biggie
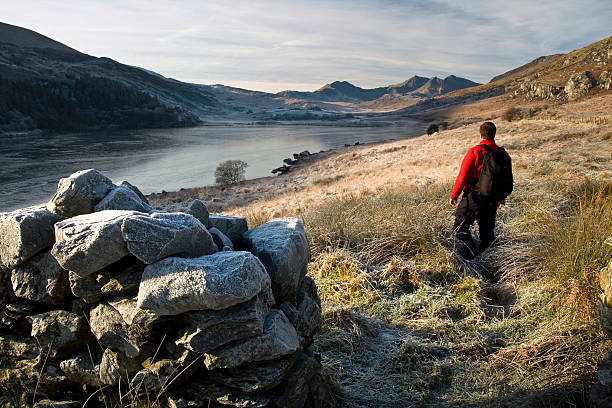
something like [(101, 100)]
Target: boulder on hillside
[(605, 80), (282, 247), (87, 243), (79, 193), (160, 235), (199, 210), (177, 285), (24, 233), (123, 198), (41, 279), (232, 227), (60, 333), (209, 329), (579, 84), (278, 339)]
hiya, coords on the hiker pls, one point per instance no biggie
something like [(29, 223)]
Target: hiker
[(485, 183)]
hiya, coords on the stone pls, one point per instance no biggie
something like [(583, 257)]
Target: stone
[(14, 316), (41, 279), (19, 347), (605, 80), (87, 243), (39, 376), (46, 403), (119, 279), (294, 391), (306, 317), (112, 332), (232, 227), (130, 312), (605, 281), (221, 240), (79, 193), (210, 329), (176, 285), (278, 339), (199, 210), (123, 198), (134, 189), (202, 392), (24, 233), (579, 84), (115, 366), (605, 315), (82, 369), (601, 393), (255, 377), (160, 235), (6, 287), (282, 247), (60, 333)]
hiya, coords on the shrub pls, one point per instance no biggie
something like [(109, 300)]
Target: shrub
[(511, 114), (433, 128), (230, 172)]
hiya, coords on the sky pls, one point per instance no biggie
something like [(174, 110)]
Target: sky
[(274, 45)]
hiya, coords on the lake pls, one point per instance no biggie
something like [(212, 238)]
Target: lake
[(165, 159)]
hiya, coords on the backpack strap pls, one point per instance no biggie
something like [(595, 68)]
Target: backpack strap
[(487, 148)]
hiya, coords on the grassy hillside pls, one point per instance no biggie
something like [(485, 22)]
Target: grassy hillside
[(409, 323)]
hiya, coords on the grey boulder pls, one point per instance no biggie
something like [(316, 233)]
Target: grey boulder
[(41, 279), (130, 312), (123, 198), (177, 285), (282, 247), (221, 240), (209, 329), (199, 210), (24, 233), (116, 366), (87, 243), (306, 317), (160, 235), (79, 193), (82, 369), (134, 189), (232, 227), (59, 332), (278, 339)]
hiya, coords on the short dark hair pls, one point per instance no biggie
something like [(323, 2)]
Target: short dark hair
[(487, 130)]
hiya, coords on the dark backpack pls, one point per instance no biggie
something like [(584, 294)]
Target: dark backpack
[(496, 174)]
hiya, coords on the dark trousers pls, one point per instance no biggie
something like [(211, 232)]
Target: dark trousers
[(473, 207)]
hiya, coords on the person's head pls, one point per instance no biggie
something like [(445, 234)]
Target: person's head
[(487, 130)]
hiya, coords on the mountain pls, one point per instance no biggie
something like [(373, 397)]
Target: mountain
[(418, 87), (22, 37)]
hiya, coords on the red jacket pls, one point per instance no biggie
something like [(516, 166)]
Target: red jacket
[(470, 168)]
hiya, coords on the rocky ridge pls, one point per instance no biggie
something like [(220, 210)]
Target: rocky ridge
[(98, 289)]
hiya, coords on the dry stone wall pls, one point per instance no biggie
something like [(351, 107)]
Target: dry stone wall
[(99, 291), (601, 394)]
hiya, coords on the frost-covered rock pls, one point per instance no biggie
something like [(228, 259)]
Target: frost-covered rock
[(24, 233), (282, 247), (41, 279), (60, 333), (123, 198), (199, 210), (232, 227), (221, 240), (87, 243), (160, 235), (177, 285), (79, 193)]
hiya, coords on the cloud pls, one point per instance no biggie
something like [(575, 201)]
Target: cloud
[(277, 43)]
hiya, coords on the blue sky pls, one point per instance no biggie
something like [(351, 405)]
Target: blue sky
[(274, 45)]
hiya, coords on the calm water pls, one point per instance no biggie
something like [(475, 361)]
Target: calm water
[(164, 159)]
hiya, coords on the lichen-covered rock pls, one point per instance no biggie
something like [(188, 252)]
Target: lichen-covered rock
[(60, 333), (123, 198), (177, 285), (115, 366), (88, 243), (306, 317), (82, 369), (278, 339), (255, 377), (14, 316), (160, 235), (232, 227), (130, 312), (605, 80), (24, 233), (166, 372), (118, 279), (578, 85), (19, 347), (79, 193), (282, 247), (210, 329), (221, 240), (199, 210), (112, 332), (41, 279)]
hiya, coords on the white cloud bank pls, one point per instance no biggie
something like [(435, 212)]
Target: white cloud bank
[(274, 45)]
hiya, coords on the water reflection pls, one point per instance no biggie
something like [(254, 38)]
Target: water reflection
[(167, 159)]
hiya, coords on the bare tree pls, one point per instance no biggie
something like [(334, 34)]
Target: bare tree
[(230, 172)]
